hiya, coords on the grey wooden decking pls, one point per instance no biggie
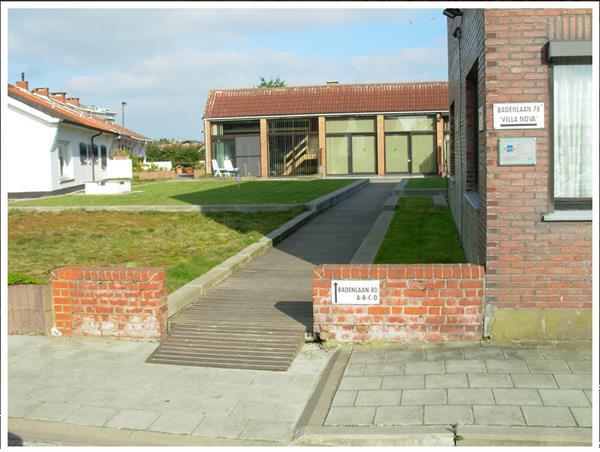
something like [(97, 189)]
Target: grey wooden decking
[(258, 318)]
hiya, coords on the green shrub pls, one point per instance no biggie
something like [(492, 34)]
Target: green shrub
[(176, 153), (18, 278)]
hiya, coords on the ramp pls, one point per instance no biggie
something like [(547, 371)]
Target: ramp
[(259, 317), (230, 330)]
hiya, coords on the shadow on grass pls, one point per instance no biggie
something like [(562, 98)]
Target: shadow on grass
[(261, 192)]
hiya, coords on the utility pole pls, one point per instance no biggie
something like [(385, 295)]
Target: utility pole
[(123, 113)]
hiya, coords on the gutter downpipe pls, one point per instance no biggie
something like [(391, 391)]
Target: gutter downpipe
[(93, 159)]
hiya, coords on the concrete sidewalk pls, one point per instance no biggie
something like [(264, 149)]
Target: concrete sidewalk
[(495, 393), (95, 382)]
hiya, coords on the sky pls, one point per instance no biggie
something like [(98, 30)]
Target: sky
[(163, 62)]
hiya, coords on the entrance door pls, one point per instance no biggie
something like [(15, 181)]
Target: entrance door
[(412, 153), (351, 154), (423, 154), (397, 153)]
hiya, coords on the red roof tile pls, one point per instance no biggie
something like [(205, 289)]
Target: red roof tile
[(327, 99), (69, 113)]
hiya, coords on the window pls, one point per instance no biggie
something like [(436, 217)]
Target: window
[(83, 153), (351, 144), (472, 130), (65, 167), (452, 142), (103, 156), (572, 117)]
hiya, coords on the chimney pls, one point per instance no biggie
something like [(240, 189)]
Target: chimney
[(41, 91), (73, 101), (23, 84), (58, 96)]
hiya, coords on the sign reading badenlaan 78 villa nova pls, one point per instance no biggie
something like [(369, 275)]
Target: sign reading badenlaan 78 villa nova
[(528, 115), (356, 291)]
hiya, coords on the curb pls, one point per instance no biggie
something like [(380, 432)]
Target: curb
[(376, 436), (29, 430), (165, 208), (370, 245), (473, 435), (420, 192), (201, 285)]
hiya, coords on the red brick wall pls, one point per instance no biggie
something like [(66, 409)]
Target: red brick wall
[(420, 302), (127, 302), (530, 263)]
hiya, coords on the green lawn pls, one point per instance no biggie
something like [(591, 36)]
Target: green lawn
[(186, 245), (420, 233), (202, 192), (426, 182)]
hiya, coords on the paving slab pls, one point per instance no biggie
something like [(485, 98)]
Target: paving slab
[(344, 398), (403, 382), (583, 416), (490, 381), (448, 414), (220, 427), (177, 423), (534, 381), (446, 381), (521, 396), (404, 415), (378, 398), (577, 381), (498, 415), (470, 396), (133, 419), (549, 416), (350, 416), (423, 396), (91, 415), (564, 397)]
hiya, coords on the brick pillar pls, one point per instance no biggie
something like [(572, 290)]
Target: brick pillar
[(440, 146), (380, 146), (264, 149), (322, 146), (208, 146)]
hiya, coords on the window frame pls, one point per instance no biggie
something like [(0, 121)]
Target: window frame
[(65, 172), (562, 204)]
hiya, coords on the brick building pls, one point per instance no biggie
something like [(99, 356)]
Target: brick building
[(329, 130), (520, 185)]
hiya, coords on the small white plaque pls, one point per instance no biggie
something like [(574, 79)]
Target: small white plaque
[(355, 291), (528, 115), (517, 151)]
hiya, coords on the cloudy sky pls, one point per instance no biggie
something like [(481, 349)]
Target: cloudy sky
[(162, 62)]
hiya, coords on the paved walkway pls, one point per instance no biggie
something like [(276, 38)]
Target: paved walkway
[(273, 294), (507, 385), (107, 383)]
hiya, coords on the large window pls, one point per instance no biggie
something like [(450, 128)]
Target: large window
[(351, 145), (65, 162), (410, 145), (572, 136), (238, 142), (293, 147)]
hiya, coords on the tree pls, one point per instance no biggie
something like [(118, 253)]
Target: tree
[(271, 83)]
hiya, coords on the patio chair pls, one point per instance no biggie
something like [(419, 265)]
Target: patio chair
[(228, 167), (218, 172)]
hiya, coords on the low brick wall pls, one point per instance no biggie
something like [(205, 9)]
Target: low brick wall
[(29, 309), (421, 302), (156, 175), (124, 302)]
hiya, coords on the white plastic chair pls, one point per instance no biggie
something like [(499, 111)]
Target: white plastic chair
[(228, 167), (218, 172)]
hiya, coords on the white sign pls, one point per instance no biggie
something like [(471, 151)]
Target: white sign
[(519, 116), (516, 151), (357, 291)]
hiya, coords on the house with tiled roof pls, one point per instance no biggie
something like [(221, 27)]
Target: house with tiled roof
[(329, 130), (55, 146)]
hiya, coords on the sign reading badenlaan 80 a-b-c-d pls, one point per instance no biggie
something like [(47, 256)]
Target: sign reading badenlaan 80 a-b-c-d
[(528, 115)]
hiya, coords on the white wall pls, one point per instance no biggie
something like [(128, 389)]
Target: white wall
[(28, 153), (81, 173)]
